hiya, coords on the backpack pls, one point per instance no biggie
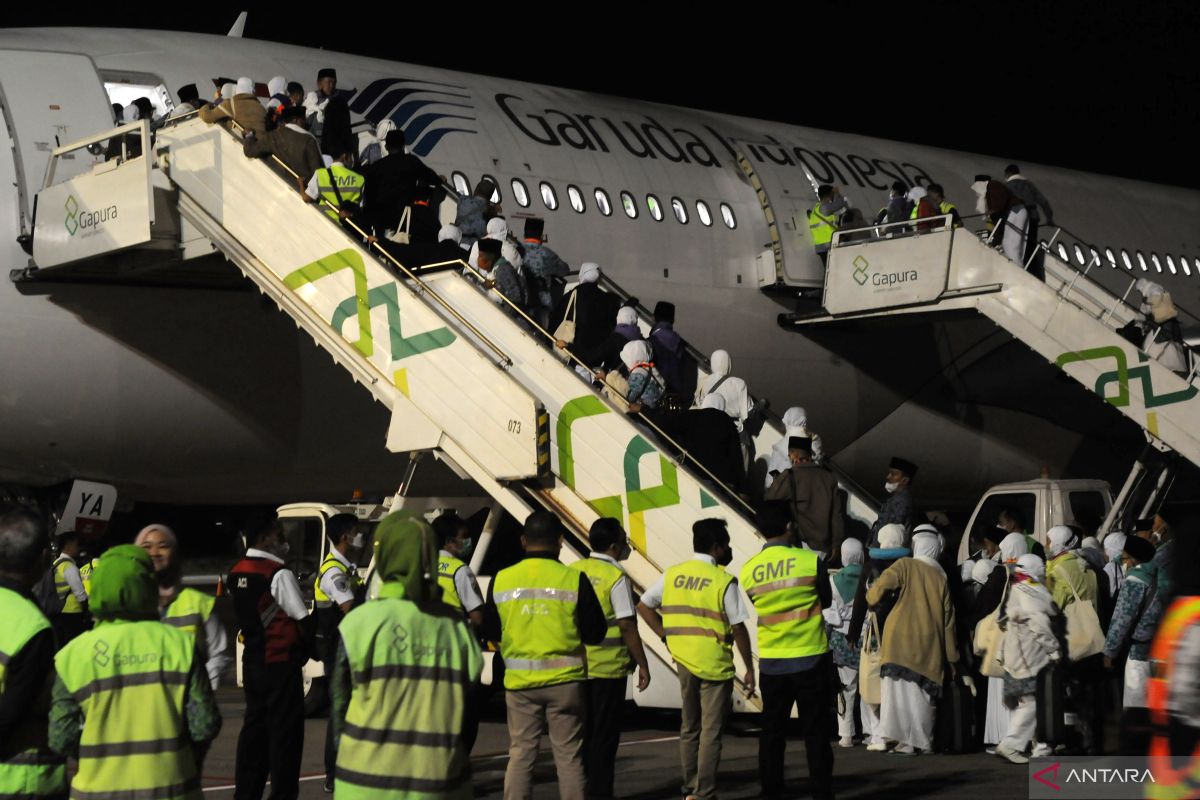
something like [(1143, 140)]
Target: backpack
[(45, 593)]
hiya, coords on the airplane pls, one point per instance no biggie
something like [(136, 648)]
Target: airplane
[(190, 389)]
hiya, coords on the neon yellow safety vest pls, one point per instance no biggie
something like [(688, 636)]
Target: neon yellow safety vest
[(71, 604), (349, 186), (699, 635), (539, 639), (130, 678), (332, 562), (32, 770), (410, 669), (945, 207), (189, 611), (85, 575), (448, 565), (822, 227), (781, 582), (610, 658)]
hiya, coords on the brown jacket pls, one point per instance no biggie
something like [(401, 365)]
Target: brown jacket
[(297, 149), (919, 633), (242, 108), (812, 492)]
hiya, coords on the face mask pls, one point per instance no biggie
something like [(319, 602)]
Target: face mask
[(466, 545), (357, 541), (726, 559), (625, 552), (283, 548), (891, 487)]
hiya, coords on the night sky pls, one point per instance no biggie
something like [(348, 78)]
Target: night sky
[(1103, 87)]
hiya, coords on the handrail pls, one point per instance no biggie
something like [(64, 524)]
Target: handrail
[(141, 125)]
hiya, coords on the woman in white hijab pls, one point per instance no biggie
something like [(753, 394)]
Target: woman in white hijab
[(1012, 547), (737, 396), (646, 385), (1029, 645), (497, 228), (991, 580), (1114, 546), (795, 423), (844, 585)]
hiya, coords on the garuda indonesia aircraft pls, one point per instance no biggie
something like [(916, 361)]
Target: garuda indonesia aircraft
[(189, 389)]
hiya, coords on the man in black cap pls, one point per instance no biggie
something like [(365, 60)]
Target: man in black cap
[(330, 116), (898, 507), (811, 493), (1134, 621), (668, 349), (394, 182), (189, 101), (499, 274), (542, 266)]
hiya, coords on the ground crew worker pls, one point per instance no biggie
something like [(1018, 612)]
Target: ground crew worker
[(335, 589), (823, 218), (610, 662), (268, 603), (547, 612), (91, 559), (182, 607), (28, 768), (789, 588), (937, 196), (73, 619), (703, 615), (406, 663), (336, 188), (460, 589), (132, 700)]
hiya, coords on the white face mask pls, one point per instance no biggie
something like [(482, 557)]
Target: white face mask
[(357, 541), (891, 487)]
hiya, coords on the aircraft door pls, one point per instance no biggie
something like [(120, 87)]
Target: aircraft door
[(49, 99)]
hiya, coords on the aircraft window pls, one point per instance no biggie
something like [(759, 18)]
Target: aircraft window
[(703, 213), (549, 196), (460, 183), (1154, 260), (125, 93), (1111, 256), (1096, 260), (630, 206), (1079, 256), (603, 203), (576, 199), (680, 210), (520, 192), (1063, 254), (727, 216), (655, 207), (1141, 259), (1183, 263), (1171, 265), (1125, 259), (495, 198)]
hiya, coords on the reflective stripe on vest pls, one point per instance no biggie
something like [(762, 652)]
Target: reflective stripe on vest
[(402, 734), (71, 604), (781, 582), (539, 638), (349, 186), (693, 611), (332, 562), (85, 575), (189, 611), (34, 771), (448, 565), (610, 658), (822, 227), (130, 678), (1170, 783)]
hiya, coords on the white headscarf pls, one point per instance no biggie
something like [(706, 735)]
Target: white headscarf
[(589, 272), (450, 232), (891, 536), (1091, 543), (1114, 545), (627, 315), (916, 193), (245, 85), (795, 417), (1031, 565), (852, 551), (277, 85), (511, 254), (228, 90), (130, 113), (497, 228), (980, 189), (140, 539), (1060, 539), (720, 362), (927, 548), (635, 352), (1013, 547), (982, 569), (714, 401)]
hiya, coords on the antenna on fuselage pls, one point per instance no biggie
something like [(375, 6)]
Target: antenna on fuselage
[(238, 26)]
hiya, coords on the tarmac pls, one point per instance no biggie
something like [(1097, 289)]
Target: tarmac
[(648, 763)]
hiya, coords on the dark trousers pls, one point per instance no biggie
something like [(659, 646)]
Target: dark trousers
[(602, 734), (1037, 267), (327, 642), (68, 626), (272, 737), (811, 693)]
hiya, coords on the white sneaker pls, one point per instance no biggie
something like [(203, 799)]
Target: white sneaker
[(877, 747), (1041, 750), (846, 741), (1011, 755)]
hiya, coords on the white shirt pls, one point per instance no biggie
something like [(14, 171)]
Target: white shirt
[(218, 649), (466, 586), (735, 609), (621, 595), (335, 583), (284, 586), (736, 396), (74, 579)]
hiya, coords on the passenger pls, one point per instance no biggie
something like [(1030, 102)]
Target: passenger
[(612, 661), (1025, 191), (837, 619), (1030, 644), (336, 189), (794, 661), (499, 275), (291, 144), (1114, 546), (401, 687), (795, 423), (919, 641), (451, 233), (591, 309), (1164, 340), (937, 196), (547, 614), (424, 224), (269, 606), (243, 108), (923, 208), (812, 495), (132, 141), (1067, 574), (332, 117), (189, 101), (1158, 533), (1007, 218), (823, 219), (1012, 520), (373, 147), (1138, 608), (607, 355), (898, 507), (295, 93), (738, 403), (992, 580), (474, 212), (279, 98), (497, 229), (898, 208), (646, 385), (702, 617), (28, 767), (73, 618), (709, 437), (182, 607), (395, 181), (669, 351), (118, 111), (226, 92), (544, 271), (109, 712)]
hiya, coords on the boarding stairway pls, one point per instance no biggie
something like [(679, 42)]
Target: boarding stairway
[(1069, 319), (463, 375)]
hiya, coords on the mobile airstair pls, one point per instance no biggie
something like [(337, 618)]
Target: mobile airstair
[(1070, 319), (463, 375)]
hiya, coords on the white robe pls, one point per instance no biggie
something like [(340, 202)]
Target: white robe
[(907, 714)]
